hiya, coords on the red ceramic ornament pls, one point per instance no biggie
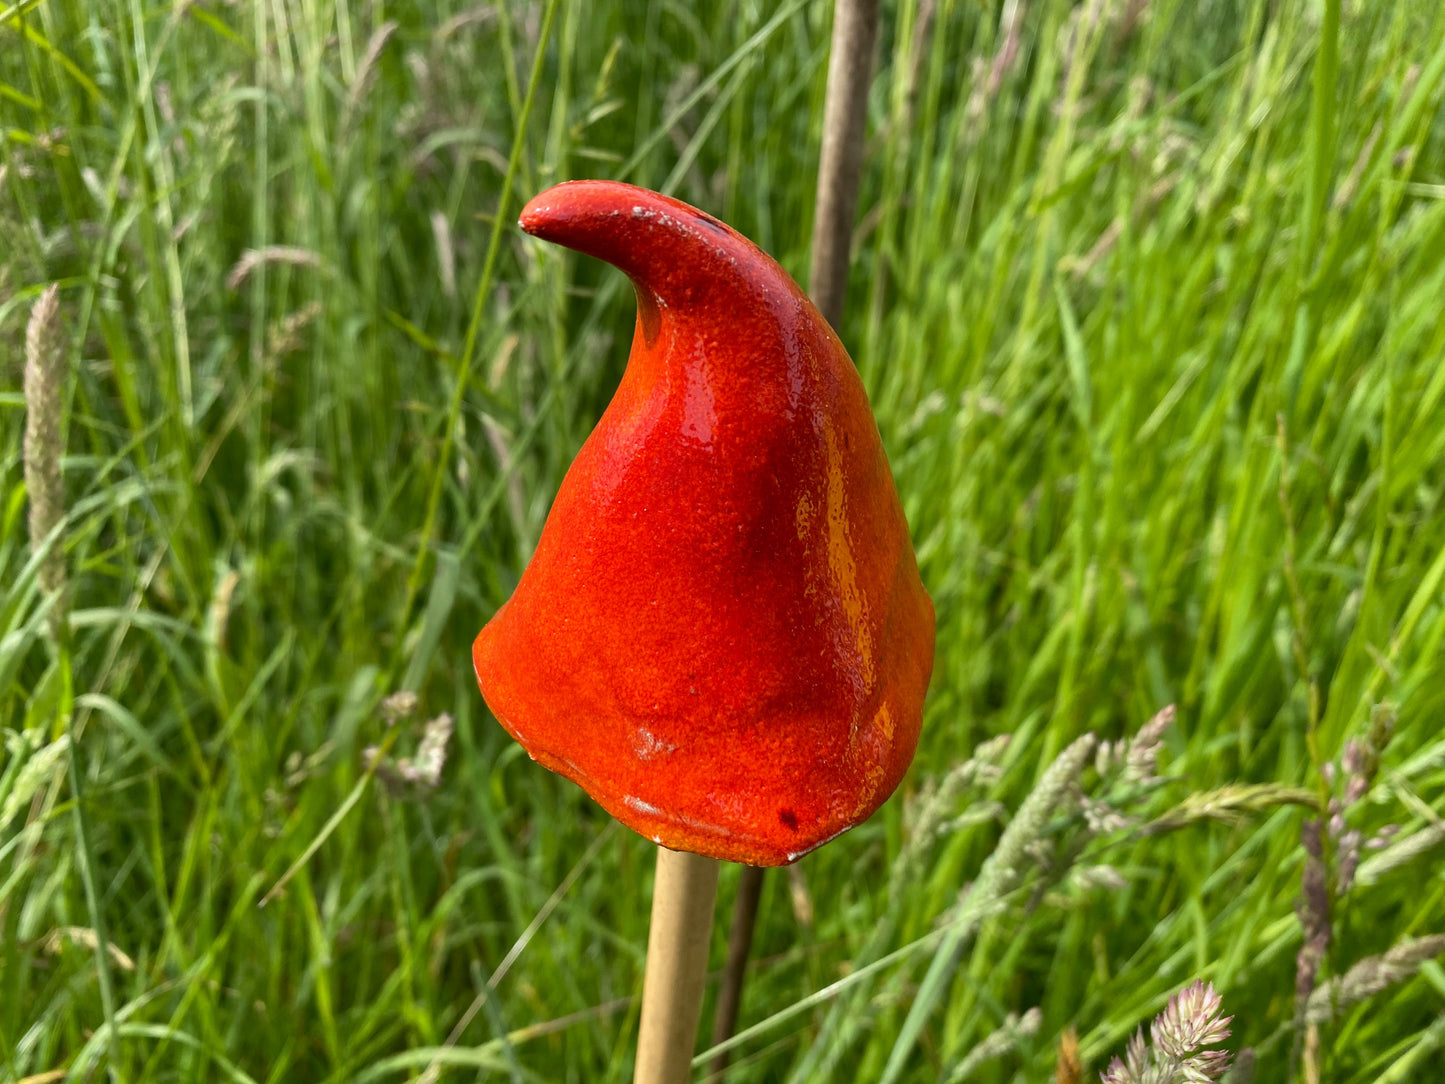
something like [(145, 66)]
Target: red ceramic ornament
[(722, 635)]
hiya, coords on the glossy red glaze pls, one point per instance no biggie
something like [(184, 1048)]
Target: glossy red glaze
[(722, 635)]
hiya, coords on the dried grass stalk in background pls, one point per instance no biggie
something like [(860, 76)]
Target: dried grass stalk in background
[(44, 379), (1068, 1066), (840, 164)]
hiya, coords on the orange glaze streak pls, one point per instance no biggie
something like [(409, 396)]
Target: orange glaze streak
[(722, 635)]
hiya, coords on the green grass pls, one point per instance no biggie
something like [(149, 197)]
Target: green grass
[(1151, 320)]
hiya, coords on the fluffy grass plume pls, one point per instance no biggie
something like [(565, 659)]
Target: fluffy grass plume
[(1147, 298), (44, 386), (1183, 1045)]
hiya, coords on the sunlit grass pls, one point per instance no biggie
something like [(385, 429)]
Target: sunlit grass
[(1148, 298)]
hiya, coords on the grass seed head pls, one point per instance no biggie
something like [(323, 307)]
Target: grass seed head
[(44, 380)]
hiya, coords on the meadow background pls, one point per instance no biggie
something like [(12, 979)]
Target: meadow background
[(1148, 296)]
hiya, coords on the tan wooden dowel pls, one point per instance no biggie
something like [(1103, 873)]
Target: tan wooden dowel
[(682, 904)]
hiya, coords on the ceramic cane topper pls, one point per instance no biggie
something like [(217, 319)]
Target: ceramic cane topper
[(722, 636)]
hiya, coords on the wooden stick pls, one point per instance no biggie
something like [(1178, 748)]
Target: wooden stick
[(677, 944)]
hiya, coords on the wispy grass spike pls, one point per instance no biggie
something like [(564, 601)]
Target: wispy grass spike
[(1005, 1039), (1372, 975), (44, 381)]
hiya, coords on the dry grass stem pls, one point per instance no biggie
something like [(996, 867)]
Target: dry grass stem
[(840, 164), (1068, 1065)]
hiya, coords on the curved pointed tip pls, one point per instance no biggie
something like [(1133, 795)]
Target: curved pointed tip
[(545, 209), (572, 209), (668, 246), (575, 212)]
